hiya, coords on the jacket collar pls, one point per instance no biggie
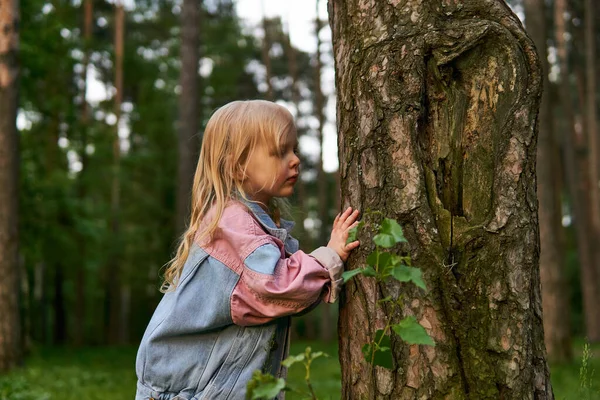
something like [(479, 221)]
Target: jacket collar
[(267, 222)]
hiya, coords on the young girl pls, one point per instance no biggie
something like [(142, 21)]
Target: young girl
[(238, 274)]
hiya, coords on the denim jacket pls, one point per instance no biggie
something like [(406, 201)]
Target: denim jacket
[(229, 314)]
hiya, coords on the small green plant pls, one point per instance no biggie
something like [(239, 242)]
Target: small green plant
[(381, 266), (266, 386), (586, 376), (307, 358)]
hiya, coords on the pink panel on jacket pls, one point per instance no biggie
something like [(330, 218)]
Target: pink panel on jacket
[(299, 281)]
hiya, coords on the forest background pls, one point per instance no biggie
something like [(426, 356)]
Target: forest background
[(112, 100)]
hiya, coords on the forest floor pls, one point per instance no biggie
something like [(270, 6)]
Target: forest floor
[(101, 373)]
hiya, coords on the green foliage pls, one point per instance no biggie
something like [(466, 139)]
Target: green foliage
[(379, 352), (382, 266), (412, 332), (19, 389), (404, 273), (263, 386), (353, 232), (267, 386), (98, 373), (586, 376)]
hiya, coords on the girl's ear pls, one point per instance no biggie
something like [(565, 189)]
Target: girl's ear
[(238, 170), (239, 173)]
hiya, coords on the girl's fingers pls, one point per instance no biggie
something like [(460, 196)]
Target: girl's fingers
[(341, 217), (351, 218), (353, 245)]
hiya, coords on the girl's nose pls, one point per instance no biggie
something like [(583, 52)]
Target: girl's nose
[(295, 162)]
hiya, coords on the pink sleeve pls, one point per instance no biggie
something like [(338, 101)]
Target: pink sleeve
[(273, 286)]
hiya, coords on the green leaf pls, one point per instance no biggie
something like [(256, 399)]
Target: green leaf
[(291, 360), (392, 228), (264, 386), (368, 271), (353, 232), (372, 258), (367, 351), (409, 274), (383, 356), (318, 354), (412, 333), (384, 240), (346, 276)]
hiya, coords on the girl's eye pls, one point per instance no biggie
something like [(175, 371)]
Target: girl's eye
[(296, 150)]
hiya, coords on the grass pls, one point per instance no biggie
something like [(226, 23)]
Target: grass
[(101, 373)]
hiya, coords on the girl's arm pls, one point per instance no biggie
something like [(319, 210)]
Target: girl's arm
[(273, 286)]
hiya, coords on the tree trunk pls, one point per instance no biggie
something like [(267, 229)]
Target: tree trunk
[(447, 93), (114, 276), (574, 163), (10, 346), (592, 136), (322, 193), (295, 96), (555, 299), (81, 182), (590, 114), (60, 315), (590, 276), (188, 141), (266, 58)]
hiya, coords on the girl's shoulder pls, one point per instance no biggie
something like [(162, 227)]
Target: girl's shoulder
[(237, 216)]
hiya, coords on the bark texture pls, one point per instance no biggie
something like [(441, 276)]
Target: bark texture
[(555, 299), (437, 106), (10, 347)]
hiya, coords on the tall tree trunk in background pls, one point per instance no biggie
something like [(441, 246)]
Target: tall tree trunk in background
[(322, 193), (81, 182), (114, 276), (575, 163), (266, 58), (555, 300), (188, 141), (305, 239), (295, 94), (592, 136), (437, 106), (10, 346)]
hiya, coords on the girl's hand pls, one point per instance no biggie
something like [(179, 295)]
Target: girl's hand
[(339, 234)]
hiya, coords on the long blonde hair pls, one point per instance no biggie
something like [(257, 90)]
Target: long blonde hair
[(231, 135)]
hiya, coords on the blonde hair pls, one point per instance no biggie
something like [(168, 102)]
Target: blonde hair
[(231, 135)]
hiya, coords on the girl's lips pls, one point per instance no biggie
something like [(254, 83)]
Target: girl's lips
[(293, 178)]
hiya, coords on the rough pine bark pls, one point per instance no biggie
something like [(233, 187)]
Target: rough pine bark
[(437, 107), (555, 299), (10, 348)]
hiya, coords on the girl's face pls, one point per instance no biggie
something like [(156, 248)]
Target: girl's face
[(271, 174)]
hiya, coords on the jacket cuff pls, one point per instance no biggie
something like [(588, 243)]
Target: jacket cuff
[(332, 262)]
